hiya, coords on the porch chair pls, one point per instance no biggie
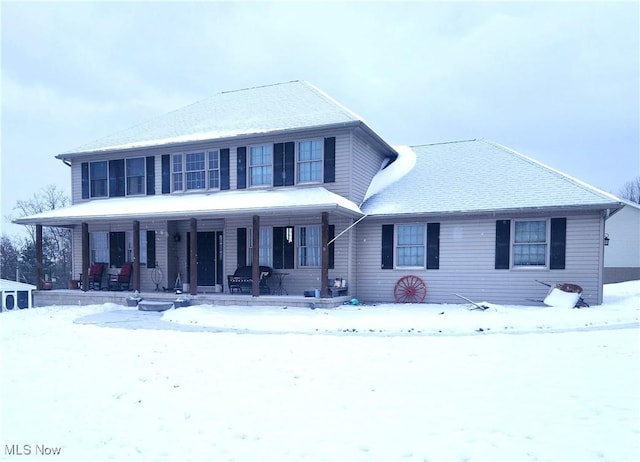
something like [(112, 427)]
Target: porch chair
[(122, 280), (95, 276)]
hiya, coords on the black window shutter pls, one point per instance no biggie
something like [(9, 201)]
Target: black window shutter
[(283, 251), (242, 247), (330, 249), (278, 164), (387, 247), (116, 248), (151, 176), (503, 243), (224, 169), (558, 243), (151, 249), (166, 174), (242, 167), (116, 178), (289, 163), (330, 159), (84, 168), (433, 245)]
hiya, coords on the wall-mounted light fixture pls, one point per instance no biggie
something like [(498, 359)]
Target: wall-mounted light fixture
[(606, 239), (176, 237)]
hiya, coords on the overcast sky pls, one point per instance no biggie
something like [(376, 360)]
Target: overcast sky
[(557, 81)]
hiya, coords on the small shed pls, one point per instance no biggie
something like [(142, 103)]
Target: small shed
[(16, 295)]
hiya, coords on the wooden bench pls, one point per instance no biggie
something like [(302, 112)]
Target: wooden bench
[(242, 280)]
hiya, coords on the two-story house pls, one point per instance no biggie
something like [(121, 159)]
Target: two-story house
[(285, 176)]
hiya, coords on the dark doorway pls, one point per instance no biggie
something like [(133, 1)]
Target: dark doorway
[(209, 258)]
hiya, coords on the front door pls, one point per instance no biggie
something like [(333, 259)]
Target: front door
[(209, 258)]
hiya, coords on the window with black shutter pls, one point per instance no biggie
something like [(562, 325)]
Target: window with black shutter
[(151, 175), (558, 243), (330, 160), (387, 247), (503, 242)]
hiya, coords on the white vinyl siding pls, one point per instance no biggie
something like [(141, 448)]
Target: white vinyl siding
[(467, 260)]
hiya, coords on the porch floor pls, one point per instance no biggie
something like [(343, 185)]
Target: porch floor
[(92, 297)]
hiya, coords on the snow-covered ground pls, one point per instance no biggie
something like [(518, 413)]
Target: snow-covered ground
[(357, 383)]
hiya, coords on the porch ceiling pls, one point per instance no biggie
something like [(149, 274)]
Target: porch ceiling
[(221, 204)]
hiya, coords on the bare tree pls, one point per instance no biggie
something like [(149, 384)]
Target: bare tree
[(631, 190), (56, 243)]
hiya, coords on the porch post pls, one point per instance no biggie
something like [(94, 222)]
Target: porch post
[(324, 257), (255, 258), (85, 256), (193, 257), (39, 265), (136, 255)]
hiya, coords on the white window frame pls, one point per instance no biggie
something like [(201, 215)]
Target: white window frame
[(397, 245), (266, 246), (143, 246), (195, 171), (546, 243), (303, 258), (92, 180), (266, 168), (99, 247), (300, 163), (142, 178), (213, 168), (210, 171)]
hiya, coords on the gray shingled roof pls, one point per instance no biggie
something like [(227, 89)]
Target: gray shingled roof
[(270, 108), (480, 176)]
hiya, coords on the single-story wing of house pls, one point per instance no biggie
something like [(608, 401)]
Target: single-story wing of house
[(622, 244), (284, 177)]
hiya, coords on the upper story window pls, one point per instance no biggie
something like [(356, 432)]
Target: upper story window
[(310, 161), (260, 165), (98, 175), (135, 176), (530, 243), (195, 170), (213, 168), (410, 245)]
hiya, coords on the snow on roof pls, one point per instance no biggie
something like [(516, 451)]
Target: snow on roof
[(476, 176), (8, 285), (390, 173), (224, 203), (284, 106)]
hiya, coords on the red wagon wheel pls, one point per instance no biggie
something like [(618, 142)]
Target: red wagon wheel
[(410, 289)]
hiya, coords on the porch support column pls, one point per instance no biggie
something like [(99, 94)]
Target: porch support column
[(193, 257), (39, 264), (324, 257), (255, 258), (85, 257), (136, 255)]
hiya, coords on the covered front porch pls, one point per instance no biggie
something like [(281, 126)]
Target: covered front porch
[(195, 243)]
